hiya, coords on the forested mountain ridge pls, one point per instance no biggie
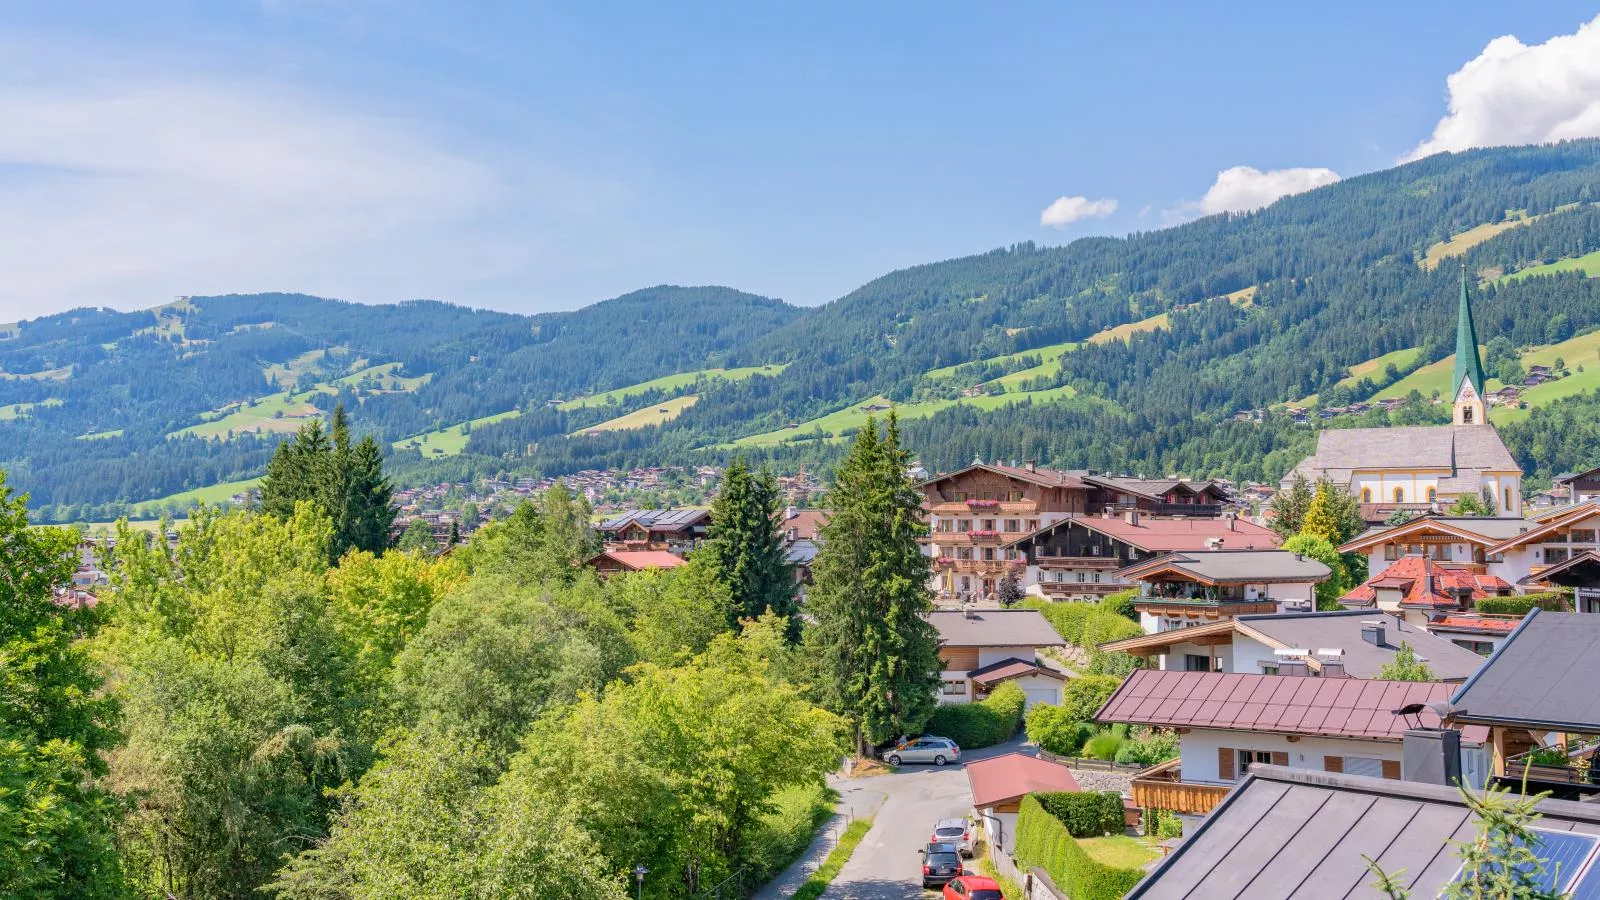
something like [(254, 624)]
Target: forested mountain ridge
[(1234, 312)]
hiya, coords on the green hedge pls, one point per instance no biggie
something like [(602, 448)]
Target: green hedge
[(1043, 841), (1085, 625), (1086, 814), (1553, 601), (983, 724)]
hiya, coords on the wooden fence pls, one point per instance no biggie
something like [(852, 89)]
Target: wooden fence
[(1103, 765)]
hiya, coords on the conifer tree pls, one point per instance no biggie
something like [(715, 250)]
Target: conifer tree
[(875, 651), (1289, 507), (1322, 515), (346, 482), (745, 551)]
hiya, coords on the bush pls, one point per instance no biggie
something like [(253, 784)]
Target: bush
[(1162, 824), (1552, 601), (1150, 748), (983, 724), (784, 832), (1121, 603), (1055, 730), (1086, 814), (1044, 841), (1104, 745), (1083, 696)]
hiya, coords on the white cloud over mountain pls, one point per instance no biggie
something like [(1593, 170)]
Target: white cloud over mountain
[(1066, 210), (1244, 188), (1513, 93)]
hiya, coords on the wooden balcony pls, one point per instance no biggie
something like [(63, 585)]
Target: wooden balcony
[(1078, 562), (1067, 588), (1159, 787), (982, 566)]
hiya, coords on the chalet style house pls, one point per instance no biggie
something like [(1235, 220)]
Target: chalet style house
[(1341, 644), (1229, 722), (1580, 486), (975, 513), (1180, 590), (1425, 467), (1078, 558), (672, 530), (982, 649), (615, 562)]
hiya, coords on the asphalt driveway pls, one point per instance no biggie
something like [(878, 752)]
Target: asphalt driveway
[(886, 866)]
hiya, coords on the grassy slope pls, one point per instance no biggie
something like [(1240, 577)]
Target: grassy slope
[(669, 383), (654, 414), (835, 423), (1588, 264), (1472, 237), (100, 435), (1047, 356), (1372, 367), (452, 440), (1129, 329), (285, 412), (18, 410), (215, 493)]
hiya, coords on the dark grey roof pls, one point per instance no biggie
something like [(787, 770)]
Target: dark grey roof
[(1302, 833), (800, 552), (657, 519), (1247, 566), (1543, 675), (1495, 528), (1463, 449), (1341, 630), (995, 628)]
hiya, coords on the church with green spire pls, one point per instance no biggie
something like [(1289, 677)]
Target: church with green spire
[(1425, 468), (1467, 382)]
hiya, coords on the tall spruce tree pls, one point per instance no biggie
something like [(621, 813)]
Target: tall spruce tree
[(745, 550), (346, 482), (1289, 507), (875, 651)]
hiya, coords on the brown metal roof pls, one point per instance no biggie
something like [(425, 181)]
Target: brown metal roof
[(1011, 776), (1283, 704)]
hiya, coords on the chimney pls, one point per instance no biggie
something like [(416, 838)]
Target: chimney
[(1131, 516), (1030, 465), (968, 611), (1213, 543), (789, 512), (1294, 667), (1332, 660), (1431, 756), (1372, 631)]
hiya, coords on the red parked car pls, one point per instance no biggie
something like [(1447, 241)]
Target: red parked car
[(972, 887)]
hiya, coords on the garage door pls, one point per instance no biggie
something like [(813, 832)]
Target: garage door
[(1050, 695)]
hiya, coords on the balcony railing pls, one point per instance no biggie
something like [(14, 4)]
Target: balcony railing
[(1161, 787), (1055, 588), (1203, 510), (1579, 771), (984, 535), (1078, 562), (983, 504)]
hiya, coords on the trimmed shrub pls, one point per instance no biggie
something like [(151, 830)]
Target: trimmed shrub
[(1086, 814), (983, 724), (1055, 730), (1551, 601), (1044, 841), (1162, 824), (1083, 696)]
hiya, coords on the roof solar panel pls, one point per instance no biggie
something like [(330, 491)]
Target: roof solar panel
[(1564, 854)]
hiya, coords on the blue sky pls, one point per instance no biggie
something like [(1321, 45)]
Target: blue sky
[(545, 159)]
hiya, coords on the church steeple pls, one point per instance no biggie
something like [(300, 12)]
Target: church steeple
[(1467, 381)]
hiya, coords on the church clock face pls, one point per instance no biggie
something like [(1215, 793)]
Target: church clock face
[(1467, 393)]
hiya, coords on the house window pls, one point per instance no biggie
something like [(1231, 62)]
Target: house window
[(960, 496), (1267, 669), (946, 525), (1482, 648), (1391, 552), (1555, 554), (1433, 494), (1466, 415), (988, 554), (1399, 495), (1033, 525), (1582, 535), (1248, 758), (1016, 496), (1060, 576), (966, 583), (1012, 525), (988, 524), (1366, 495), (1097, 578), (1507, 507), (964, 525), (1194, 662), (954, 689), (1082, 577), (1363, 765)]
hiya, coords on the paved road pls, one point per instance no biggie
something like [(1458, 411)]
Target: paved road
[(886, 866)]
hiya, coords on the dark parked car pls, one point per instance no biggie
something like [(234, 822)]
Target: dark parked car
[(939, 868)]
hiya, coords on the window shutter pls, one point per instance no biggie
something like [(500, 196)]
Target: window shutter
[(1333, 764), (1280, 758), (1391, 769), (1224, 764)]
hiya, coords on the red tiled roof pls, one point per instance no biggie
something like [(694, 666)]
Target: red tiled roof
[(1282, 704), (1478, 623), (1427, 584), (644, 559), (1013, 775)]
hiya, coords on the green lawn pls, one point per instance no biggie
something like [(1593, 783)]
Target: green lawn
[(1434, 376), (1128, 329), (449, 441), (61, 374), (281, 412), (1584, 382), (1588, 264), (655, 414), (18, 410), (1048, 356), (285, 374), (205, 496), (1372, 368), (100, 435), (670, 383), (1119, 850)]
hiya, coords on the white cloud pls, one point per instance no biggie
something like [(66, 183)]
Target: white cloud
[(1244, 188), (1067, 210), (1516, 94), (123, 192)]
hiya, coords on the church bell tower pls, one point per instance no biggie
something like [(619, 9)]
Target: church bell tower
[(1470, 406)]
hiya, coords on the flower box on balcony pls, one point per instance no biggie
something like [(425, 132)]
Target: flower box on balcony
[(983, 533), (983, 504), (944, 561)]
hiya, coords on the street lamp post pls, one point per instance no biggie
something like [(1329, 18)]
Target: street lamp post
[(639, 872)]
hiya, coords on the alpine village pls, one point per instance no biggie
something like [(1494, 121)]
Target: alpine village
[(1253, 556)]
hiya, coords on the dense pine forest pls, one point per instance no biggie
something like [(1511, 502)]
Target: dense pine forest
[(101, 408)]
